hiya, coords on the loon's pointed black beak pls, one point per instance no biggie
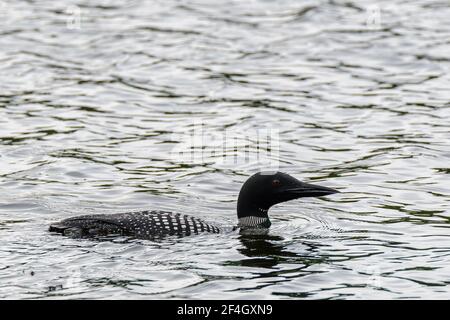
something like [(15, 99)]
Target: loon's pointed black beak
[(302, 189)]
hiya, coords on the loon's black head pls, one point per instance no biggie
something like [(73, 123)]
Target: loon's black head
[(263, 190)]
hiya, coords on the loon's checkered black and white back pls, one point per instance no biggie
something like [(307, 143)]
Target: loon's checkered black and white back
[(144, 224)]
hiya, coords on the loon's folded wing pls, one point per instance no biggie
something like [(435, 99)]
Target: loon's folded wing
[(145, 224), (89, 225)]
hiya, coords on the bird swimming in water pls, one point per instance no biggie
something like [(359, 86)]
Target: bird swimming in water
[(260, 192)]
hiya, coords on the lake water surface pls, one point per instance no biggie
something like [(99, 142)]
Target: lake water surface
[(95, 95)]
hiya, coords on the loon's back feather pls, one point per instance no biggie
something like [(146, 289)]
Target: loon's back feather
[(144, 224)]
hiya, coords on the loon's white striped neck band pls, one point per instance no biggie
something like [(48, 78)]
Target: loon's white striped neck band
[(254, 222)]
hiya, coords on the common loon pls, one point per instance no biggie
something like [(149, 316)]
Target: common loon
[(257, 195)]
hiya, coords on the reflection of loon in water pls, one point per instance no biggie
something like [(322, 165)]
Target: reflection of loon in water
[(263, 251), (257, 195), (267, 251)]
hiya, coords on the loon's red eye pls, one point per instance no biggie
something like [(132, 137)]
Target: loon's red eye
[(276, 183)]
